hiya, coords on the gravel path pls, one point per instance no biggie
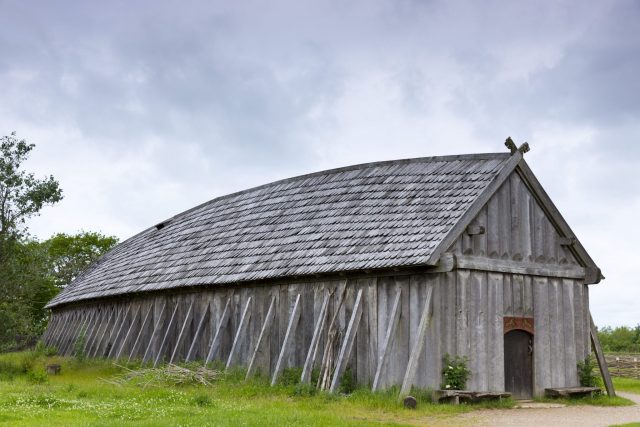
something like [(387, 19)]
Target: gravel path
[(580, 416)]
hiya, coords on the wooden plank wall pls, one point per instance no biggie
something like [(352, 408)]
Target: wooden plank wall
[(467, 319), (125, 328), (516, 228)]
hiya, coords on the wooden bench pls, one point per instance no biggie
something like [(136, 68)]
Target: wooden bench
[(570, 391), (456, 396)]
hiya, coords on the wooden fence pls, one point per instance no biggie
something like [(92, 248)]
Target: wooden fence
[(624, 365)]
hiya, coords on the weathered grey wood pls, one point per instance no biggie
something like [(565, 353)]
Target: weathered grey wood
[(197, 333), (418, 345), (264, 332), (244, 320), (570, 391), (570, 372), (215, 342), (93, 325), (182, 334), (156, 330), (108, 343), (119, 332), (125, 340), (310, 359), (143, 326), (165, 338), (602, 363), (347, 343), (98, 343), (392, 326), (291, 329), (520, 267)]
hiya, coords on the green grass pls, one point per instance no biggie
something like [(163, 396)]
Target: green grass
[(81, 396), (626, 384)]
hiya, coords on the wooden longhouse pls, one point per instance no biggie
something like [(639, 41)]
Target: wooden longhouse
[(381, 268)]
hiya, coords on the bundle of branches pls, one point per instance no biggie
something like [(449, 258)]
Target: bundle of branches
[(166, 375)]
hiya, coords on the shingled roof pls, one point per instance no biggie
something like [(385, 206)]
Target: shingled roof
[(370, 216)]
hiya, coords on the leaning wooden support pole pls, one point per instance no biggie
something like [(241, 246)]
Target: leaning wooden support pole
[(100, 336), (141, 331), (305, 378), (187, 320), (95, 316), (55, 329), (291, 330), (120, 330), (418, 345), (125, 340), (196, 335), (64, 338), (389, 338), (154, 334), (266, 329), (112, 330), (165, 338), (215, 342), (73, 333), (240, 333), (602, 363), (347, 343), (95, 330)]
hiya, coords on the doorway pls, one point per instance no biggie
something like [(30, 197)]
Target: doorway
[(518, 364)]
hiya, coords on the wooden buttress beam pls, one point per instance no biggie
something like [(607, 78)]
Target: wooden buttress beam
[(128, 333), (244, 321), (64, 339), (154, 334), (264, 331), (95, 328), (196, 335), (416, 351), (143, 325), (104, 348), (187, 320), (165, 338), (602, 363), (291, 329), (116, 339), (88, 319), (97, 343), (95, 315), (53, 324), (215, 342), (389, 338), (347, 344), (305, 378)]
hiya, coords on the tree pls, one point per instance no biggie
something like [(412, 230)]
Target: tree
[(69, 255), (21, 194), (24, 284)]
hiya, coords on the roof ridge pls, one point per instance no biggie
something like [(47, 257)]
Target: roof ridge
[(447, 158)]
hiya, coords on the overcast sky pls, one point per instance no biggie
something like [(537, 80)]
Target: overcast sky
[(144, 109)]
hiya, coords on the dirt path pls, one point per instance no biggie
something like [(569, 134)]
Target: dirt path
[(579, 416)]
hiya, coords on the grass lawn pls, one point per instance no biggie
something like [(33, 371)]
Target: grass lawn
[(81, 396), (626, 384)]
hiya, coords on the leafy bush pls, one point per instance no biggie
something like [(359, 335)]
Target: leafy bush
[(347, 382), (37, 377), (290, 376), (586, 373), (455, 373), (304, 390)]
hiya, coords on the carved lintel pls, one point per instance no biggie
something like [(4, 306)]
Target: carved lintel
[(524, 323)]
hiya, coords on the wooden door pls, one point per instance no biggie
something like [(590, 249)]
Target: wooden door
[(518, 364)]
